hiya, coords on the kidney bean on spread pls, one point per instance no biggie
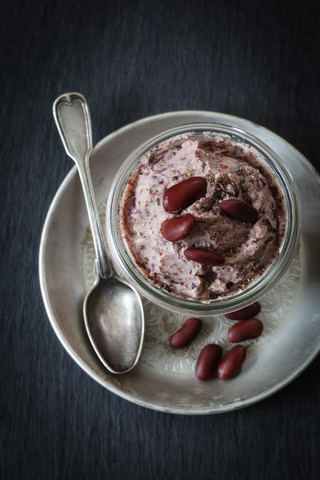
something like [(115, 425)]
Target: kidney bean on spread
[(240, 210), (180, 195), (205, 256), (176, 228)]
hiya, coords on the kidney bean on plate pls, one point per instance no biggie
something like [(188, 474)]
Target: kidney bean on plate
[(232, 362), (188, 332), (207, 361), (245, 330), (246, 312)]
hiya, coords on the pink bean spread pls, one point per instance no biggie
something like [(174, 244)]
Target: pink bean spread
[(232, 170)]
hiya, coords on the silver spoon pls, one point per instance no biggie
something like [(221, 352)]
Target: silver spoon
[(112, 309)]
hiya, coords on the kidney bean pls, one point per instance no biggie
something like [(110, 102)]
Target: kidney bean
[(231, 362), (250, 328), (246, 312), (207, 361), (188, 332), (204, 256), (240, 210), (177, 227), (181, 195)]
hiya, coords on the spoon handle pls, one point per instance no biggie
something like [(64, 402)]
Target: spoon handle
[(72, 117)]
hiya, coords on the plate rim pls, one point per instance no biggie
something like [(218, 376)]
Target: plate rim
[(242, 403)]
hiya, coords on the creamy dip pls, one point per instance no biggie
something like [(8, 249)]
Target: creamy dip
[(232, 170)]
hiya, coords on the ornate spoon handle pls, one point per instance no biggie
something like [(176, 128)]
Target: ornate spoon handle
[(72, 117)]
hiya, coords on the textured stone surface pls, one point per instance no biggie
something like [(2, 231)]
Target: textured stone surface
[(132, 59)]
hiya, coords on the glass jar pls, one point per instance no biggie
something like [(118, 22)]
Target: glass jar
[(224, 304)]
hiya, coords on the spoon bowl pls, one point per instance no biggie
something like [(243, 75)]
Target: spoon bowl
[(116, 342), (112, 310)]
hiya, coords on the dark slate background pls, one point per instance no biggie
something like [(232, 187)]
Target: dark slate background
[(131, 59)]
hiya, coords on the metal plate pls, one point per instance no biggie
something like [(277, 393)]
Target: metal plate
[(164, 379)]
